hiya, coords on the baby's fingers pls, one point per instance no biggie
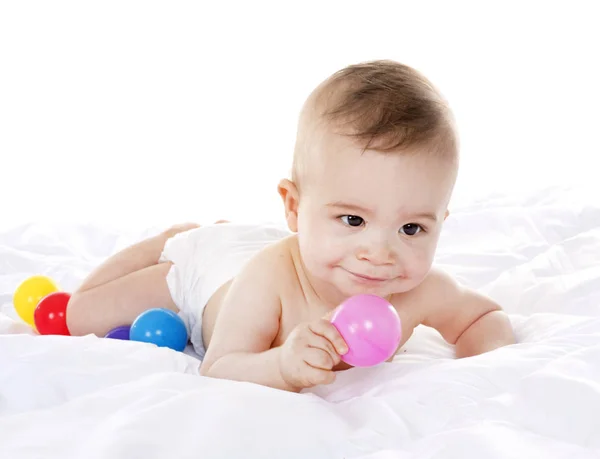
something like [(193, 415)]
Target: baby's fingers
[(323, 344), (327, 330), (316, 376), (319, 358)]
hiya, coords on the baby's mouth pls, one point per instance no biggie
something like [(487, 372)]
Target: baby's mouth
[(369, 279)]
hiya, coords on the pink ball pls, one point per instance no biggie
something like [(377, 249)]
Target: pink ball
[(371, 328)]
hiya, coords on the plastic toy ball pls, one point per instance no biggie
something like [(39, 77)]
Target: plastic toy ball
[(371, 328), (161, 327), (29, 293), (50, 315), (121, 332)]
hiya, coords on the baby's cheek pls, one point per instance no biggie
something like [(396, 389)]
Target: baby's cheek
[(314, 249), (325, 254), (326, 251), (421, 262)]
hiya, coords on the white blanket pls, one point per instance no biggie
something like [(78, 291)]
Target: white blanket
[(539, 256)]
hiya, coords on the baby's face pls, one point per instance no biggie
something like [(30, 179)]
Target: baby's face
[(370, 222)]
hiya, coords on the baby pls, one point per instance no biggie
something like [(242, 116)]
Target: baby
[(375, 163)]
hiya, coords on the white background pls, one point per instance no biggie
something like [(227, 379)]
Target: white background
[(142, 113)]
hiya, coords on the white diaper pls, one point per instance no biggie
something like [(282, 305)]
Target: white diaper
[(204, 259)]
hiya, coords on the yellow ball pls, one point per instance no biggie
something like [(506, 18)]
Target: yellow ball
[(29, 293)]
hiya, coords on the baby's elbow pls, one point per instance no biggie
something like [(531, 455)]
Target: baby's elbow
[(207, 367), (204, 369)]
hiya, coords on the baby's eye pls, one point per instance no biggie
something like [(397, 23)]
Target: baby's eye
[(352, 220), (411, 229)]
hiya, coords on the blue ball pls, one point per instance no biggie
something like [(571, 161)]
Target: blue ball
[(161, 327)]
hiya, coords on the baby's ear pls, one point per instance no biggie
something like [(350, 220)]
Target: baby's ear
[(289, 193)]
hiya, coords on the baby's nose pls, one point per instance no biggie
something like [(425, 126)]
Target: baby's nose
[(377, 254)]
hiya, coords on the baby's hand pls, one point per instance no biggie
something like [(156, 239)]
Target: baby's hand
[(310, 353)]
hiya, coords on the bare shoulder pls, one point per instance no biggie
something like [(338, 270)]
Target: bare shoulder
[(269, 266), (439, 284), (274, 256), (418, 301), (259, 278), (451, 307)]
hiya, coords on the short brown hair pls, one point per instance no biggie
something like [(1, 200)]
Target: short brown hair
[(385, 106)]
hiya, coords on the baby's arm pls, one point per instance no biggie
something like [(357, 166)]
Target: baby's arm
[(248, 323), (468, 319)]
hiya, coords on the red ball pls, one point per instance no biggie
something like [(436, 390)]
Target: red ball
[(50, 315)]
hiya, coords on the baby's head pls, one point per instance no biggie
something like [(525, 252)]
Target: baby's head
[(375, 163)]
